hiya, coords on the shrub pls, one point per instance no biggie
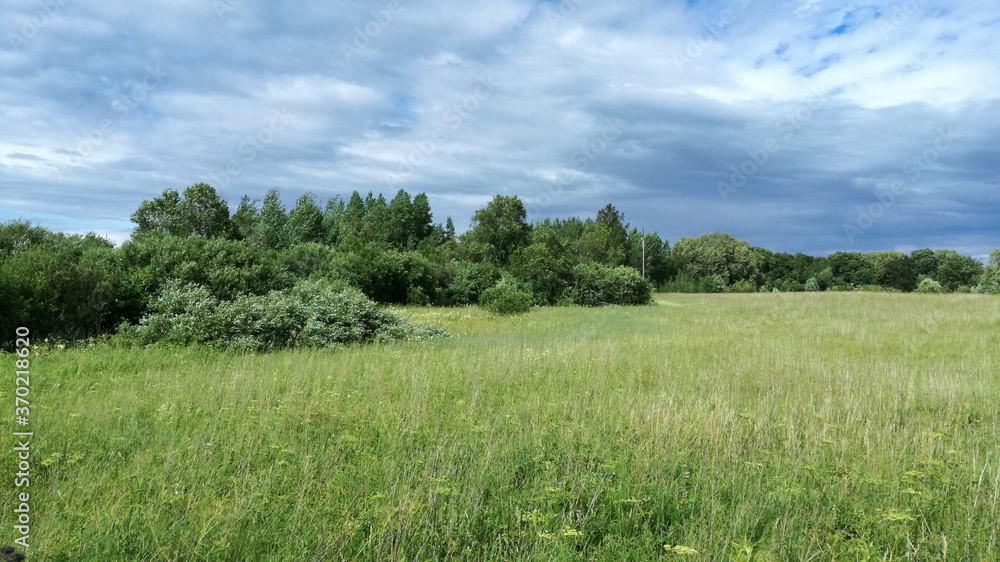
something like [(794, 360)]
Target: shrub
[(928, 285), (307, 259), (66, 287), (311, 314), (506, 297), (595, 285), (812, 284), (744, 286), (385, 276), (712, 284), (227, 268), (680, 284), (468, 281), (989, 289), (791, 286)]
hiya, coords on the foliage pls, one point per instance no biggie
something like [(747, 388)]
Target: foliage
[(226, 268), (65, 287), (468, 280), (744, 286), (712, 284), (200, 212), (311, 314), (506, 297), (928, 285), (683, 283), (501, 227), (595, 285), (715, 254), (659, 266), (386, 276), (545, 275), (956, 270)]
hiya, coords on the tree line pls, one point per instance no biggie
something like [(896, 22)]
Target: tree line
[(192, 243)]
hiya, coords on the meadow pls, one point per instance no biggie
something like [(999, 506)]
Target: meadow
[(779, 426)]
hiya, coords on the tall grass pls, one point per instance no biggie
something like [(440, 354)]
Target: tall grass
[(824, 426)]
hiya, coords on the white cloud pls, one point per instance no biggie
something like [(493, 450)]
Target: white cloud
[(890, 81)]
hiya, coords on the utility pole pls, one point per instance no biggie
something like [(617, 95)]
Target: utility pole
[(644, 253)]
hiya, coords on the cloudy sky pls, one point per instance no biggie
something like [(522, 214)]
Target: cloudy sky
[(798, 125)]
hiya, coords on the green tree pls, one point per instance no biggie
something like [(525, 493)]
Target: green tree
[(246, 220), (546, 275), (271, 232), (657, 254), (449, 229), (957, 271), (204, 213), (354, 216), (164, 214), (501, 228), (715, 254), (333, 215), (305, 221), (200, 212), (401, 221), (615, 221), (892, 269), (375, 226), (420, 217), (924, 262), (600, 244)]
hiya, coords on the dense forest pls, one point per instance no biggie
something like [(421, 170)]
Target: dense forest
[(251, 269)]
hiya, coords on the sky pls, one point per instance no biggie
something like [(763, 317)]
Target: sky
[(798, 125)]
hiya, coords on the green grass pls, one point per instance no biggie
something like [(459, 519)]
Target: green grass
[(830, 426)]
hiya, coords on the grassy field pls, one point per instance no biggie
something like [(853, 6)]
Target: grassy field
[(827, 426)]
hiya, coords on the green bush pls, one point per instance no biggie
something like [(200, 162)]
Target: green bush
[(680, 284), (312, 314), (541, 271), (468, 280), (385, 276), (928, 285), (506, 297), (790, 286), (712, 284), (812, 284), (307, 259), (63, 287), (595, 285), (744, 286), (227, 268), (992, 289)]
